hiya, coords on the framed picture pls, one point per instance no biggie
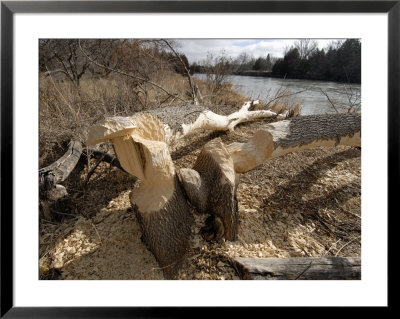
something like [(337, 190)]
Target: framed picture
[(114, 38)]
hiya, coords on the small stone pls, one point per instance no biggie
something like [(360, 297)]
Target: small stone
[(220, 264)]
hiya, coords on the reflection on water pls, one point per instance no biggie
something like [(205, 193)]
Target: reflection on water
[(311, 98)]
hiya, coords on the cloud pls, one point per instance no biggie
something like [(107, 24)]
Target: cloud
[(196, 49)]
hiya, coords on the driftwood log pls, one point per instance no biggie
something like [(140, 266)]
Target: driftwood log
[(50, 176), (299, 268), (161, 199)]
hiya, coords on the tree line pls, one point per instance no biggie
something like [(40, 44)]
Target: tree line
[(340, 62), (244, 62)]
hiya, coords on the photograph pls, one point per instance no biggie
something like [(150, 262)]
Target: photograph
[(199, 158)]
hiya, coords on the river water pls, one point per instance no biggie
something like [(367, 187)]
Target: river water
[(308, 93)]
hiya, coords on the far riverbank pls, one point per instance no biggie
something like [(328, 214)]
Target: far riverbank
[(311, 97)]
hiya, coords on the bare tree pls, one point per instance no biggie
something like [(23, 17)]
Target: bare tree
[(218, 70), (305, 47), (63, 56)]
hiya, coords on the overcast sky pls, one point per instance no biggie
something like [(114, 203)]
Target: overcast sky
[(196, 50)]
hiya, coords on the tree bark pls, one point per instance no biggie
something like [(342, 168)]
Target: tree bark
[(167, 231), (159, 202), (296, 134), (299, 268), (50, 176), (211, 187)]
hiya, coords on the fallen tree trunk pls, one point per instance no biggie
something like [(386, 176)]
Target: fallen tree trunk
[(51, 175), (296, 134), (183, 120), (300, 268), (209, 120), (141, 145)]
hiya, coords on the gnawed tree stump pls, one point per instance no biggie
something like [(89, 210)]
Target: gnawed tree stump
[(299, 268), (161, 199), (167, 231), (211, 187)]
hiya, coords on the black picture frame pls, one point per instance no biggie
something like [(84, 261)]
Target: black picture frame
[(9, 8)]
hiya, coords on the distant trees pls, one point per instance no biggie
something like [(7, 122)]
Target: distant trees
[(217, 69), (341, 62), (263, 64), (244, 62), (305, 47)]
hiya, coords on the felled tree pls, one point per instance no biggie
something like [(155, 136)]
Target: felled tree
[(161, 199)]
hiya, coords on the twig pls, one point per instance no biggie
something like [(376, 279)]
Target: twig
[(283, 95), (91, 171), (186, 70), (334, 244), (329, 100), (48, 221), (159, 268), (346, 245), (95, 228), (65, 214)]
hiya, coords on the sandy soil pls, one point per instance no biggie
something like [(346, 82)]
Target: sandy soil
[(303, 204)]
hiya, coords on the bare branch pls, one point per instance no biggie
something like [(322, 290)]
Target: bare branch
[(186, 70), (329, 100), (176, 96)]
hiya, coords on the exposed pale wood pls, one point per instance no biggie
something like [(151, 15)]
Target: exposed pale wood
[(296, 134), (159, 202), (208, 120), (299, 268), (211, 187)]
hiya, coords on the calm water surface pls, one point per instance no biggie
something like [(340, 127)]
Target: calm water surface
[(312, 99)]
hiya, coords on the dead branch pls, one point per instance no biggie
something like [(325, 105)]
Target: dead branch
[(186, 70)]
